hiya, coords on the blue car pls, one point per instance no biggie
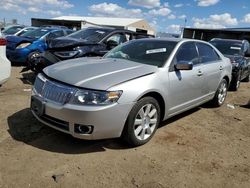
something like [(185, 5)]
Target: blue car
[(22, 49)]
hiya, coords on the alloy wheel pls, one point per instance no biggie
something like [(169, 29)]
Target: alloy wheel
[(222, 92), (145, 122)]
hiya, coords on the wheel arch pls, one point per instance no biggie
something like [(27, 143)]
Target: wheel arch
[(158, 97)]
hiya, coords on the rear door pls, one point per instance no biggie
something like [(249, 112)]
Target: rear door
[(185, 86), (212, 68)]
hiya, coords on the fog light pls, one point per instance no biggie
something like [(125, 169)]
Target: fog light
[(83, 129)]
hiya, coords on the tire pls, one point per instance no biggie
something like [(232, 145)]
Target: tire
[(221, 93), (32, 57), (142, 122), (235, 84), (246, 79)]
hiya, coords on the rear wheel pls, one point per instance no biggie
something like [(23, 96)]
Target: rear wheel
[(246, 79), (142, 122), (220, 94)]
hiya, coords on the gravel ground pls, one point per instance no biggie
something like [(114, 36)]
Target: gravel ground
[(204, 147)]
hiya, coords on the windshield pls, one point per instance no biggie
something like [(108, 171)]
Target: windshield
[(151, 52), (228, 47), (12, 30), (36, 34), (93, 35)]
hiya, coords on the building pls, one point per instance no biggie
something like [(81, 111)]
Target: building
[(208, 34), (78, 22)]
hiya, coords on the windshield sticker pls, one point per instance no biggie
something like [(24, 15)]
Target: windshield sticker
[(153, 51), (235, 48), (101, 32)]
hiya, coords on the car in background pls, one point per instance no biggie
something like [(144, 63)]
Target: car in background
[(131, 89), (12, 29), (24, 30), (23, 48), (89, 42), (236, 51), (5, 66)]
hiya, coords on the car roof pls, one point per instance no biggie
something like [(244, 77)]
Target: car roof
[(172, 39), (229, 40)]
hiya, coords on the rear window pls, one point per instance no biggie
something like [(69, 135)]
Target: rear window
[(151, 52)]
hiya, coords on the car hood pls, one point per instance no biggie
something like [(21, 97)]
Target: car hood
[(99, 74), (17, 39), (65, 42)]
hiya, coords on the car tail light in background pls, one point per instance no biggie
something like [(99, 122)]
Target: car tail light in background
[(3, 42)]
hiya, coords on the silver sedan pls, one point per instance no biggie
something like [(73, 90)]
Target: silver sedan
[(131, 89)]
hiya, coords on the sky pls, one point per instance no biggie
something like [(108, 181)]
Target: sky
[(163, 15)]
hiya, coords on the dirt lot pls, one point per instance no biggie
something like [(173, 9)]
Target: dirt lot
[(205, 147)]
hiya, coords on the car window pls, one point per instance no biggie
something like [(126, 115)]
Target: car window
[(36, 34), (187, 53), (207, 53), (56, 34), (91, 35), (119, 38), (68, 31), (12, 30)]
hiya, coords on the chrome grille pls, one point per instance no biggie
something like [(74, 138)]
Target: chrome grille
[(53, 91)]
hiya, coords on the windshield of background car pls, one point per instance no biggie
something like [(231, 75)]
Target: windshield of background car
[(92, 35), (151, 52), (36, 34), (11, 30), (228, 47)]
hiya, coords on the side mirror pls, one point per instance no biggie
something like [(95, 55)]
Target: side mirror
[(111, 44), (184, 65)]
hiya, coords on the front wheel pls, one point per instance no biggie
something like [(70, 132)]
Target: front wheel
[(220, 94), (32, 59), (142, 122)]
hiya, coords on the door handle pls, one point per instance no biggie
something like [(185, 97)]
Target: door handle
[(221, 68), (200, 73)]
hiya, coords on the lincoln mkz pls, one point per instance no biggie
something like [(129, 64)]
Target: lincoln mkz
[(129, 91)]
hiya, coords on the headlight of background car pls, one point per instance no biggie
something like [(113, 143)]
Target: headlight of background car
[(23, 45), (89, 97)]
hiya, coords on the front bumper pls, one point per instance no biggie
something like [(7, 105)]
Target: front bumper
[(107, 121), (18, 55)]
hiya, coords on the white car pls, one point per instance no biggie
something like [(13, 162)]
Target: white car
[(5, 66)]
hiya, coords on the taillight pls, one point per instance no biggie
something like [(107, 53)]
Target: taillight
[(3, 42)]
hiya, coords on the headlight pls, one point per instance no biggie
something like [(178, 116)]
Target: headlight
[(23, 45), (89, 97)]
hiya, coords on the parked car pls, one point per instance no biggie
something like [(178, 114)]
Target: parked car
[(236, 50), (93, 41), (131, 89), (5, 66), (22, 49), (12, 29), (24, 30)]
